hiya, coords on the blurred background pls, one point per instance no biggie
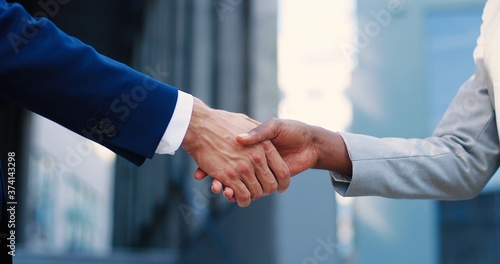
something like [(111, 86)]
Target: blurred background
[(380, 67)]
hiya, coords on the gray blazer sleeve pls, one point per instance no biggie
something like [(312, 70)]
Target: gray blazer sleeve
[(455, 163)]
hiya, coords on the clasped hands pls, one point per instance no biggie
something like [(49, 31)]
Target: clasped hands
[(249, 160)]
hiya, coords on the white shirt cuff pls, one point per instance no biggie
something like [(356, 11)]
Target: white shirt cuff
[(176, 129)]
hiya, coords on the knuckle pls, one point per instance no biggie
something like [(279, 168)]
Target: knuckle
[(232, 175), (284, 173), (243, 169), (271, 187), (258, 159), (244, 196)]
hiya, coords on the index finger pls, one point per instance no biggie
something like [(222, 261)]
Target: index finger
[(277, 165)]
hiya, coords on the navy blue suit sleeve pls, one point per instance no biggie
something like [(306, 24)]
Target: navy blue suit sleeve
[(59, 77)]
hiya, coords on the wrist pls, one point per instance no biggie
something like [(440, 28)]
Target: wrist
[(332, 151), (198, 118), (323, 144)]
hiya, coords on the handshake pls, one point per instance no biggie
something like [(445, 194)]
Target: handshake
[(249, 160)]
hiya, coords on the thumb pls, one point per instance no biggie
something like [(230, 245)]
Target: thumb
[(263, 132)]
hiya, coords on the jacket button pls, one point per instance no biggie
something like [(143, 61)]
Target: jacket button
[(92, 123)]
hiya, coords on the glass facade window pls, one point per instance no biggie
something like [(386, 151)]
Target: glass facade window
[(85, 207), (450, 40)]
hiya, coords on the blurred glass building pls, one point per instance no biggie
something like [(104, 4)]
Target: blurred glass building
[(412, 56), (81, 204)]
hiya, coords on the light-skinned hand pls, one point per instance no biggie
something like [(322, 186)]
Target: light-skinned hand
[(251, 170)]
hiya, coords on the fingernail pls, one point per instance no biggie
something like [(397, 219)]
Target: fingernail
[(244, 136)]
